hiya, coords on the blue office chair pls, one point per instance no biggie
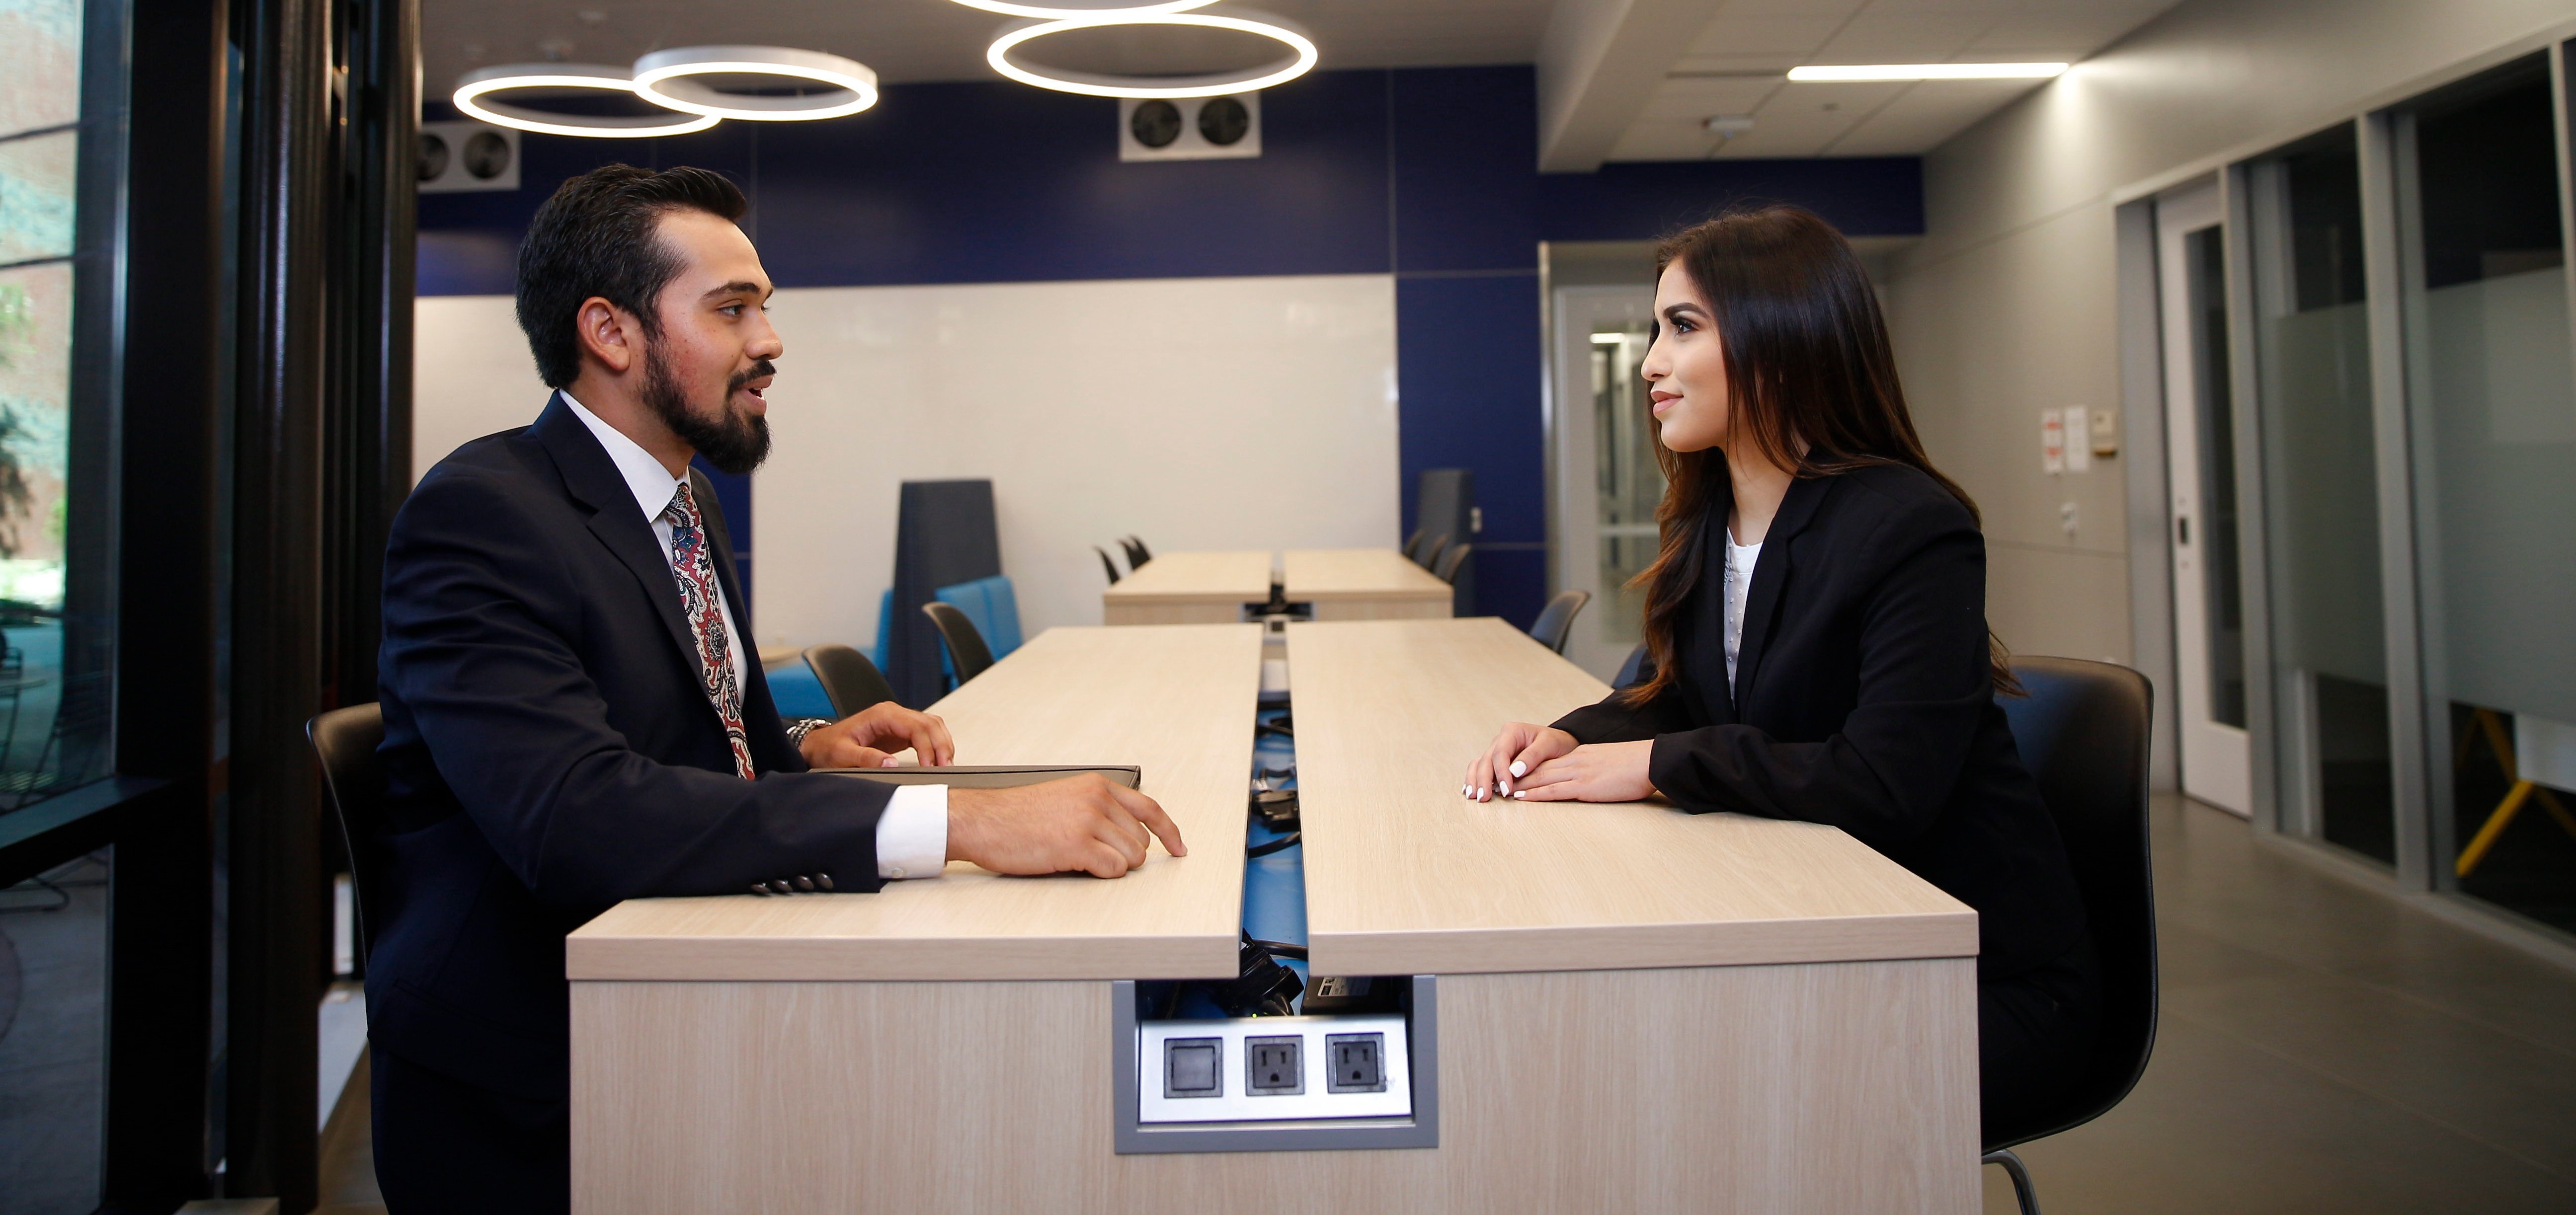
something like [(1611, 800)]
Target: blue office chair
[(2082, 732)]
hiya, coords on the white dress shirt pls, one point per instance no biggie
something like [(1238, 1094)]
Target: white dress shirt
[(912, 834)]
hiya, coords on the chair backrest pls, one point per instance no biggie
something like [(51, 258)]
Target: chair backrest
[(1137, 553), (1556, 621), (1107, 566), (967, 654), (2082, 732), (1628, 667), (1413, 546), (1431, 550), (849, 679), (346, 740), (993, 606), (1447, 569)]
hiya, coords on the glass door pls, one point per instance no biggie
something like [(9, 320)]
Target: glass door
[(2329, 652), (1607, 481), (2209, 606)]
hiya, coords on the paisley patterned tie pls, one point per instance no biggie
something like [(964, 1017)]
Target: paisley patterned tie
[(695, 569)]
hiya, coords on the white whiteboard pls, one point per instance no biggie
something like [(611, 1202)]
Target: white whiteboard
[(1232, 413)]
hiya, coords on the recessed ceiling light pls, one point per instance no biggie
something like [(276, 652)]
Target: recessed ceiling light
[(1928, 71), (1300, 60), (474, 92), (1059, 12), (665, 78)]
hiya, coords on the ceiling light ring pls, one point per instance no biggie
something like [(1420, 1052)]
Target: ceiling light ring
[(475, 90), (1046, 12), (665, 79), (1299, 61)]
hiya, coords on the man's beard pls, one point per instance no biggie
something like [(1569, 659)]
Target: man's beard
[(734, 442)]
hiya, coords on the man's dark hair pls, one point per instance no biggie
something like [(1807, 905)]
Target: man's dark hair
[(596, 236)]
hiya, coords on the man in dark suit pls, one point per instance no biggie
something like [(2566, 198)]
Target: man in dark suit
[(572, 712)]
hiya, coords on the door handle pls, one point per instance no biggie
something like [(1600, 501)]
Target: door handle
[(2182, 529)]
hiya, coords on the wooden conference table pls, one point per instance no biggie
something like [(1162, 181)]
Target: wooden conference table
[(1214, 588), (1638, 1009)]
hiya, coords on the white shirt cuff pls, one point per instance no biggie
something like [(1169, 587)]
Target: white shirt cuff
[(912, 834)]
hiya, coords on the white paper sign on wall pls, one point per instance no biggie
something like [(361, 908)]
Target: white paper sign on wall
[(2052, 441), (2077, 432)]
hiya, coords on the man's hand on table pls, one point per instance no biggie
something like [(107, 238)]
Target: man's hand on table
[(871, 737), (1086, 823)]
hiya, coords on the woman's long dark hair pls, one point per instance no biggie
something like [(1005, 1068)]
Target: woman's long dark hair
[(1807, 358)]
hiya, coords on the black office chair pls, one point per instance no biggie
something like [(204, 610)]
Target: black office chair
[(346, 742), (1137, 554), (1107, 566), (849, 680), (1628, 668), (1447, 569), (2082, 732), (1413, 547), (967, 653), (1555, 622), (1431, 550)]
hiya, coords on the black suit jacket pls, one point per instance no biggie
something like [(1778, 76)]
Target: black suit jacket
[(1863, 699), (549, 751)]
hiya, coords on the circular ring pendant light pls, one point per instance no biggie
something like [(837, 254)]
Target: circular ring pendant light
[(667, 78), (475, 90), (1300, 60), (1047, 12)]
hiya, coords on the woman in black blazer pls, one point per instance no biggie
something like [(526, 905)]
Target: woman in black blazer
[(1816, 633)]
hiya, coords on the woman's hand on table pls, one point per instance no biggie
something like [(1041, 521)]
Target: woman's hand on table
[(1517, 751), (1594, 772), (871, 737)]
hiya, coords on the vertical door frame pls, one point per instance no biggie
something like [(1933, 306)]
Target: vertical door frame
[(2253, 545), (2391, 270), (2142, 411)]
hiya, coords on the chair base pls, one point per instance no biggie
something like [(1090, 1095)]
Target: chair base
[(2023, 1191)]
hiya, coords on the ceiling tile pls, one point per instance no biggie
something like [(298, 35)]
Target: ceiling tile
[(1927, 114), (1921, 38), (1694, 100), (1734, 35)]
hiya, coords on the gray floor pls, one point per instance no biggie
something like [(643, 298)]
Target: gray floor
[(2325, 1048)]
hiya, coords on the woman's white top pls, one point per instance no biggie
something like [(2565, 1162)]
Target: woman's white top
[(1739, 576)]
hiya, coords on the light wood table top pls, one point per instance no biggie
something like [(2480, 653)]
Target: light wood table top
[(1234, 577), (1403, 876), (1176, 700), (1322, 575)]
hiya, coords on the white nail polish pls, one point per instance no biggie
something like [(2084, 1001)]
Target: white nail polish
[(1519, 768), (1520, 795)]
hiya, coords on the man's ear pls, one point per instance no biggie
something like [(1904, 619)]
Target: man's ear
[(609, 334)]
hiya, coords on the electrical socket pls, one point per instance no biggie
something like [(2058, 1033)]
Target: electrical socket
[(1274, 1067), (1358, 1062)]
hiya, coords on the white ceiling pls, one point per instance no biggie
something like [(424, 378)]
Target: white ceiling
[(1737, 66), (1733, 66)]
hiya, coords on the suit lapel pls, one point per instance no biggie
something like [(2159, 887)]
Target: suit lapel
[(1770, 573), (594, 481)]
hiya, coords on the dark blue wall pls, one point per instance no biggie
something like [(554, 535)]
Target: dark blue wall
[(1427, 173)]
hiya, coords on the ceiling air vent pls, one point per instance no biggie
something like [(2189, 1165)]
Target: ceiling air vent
[(467, 156), (1190, 128)]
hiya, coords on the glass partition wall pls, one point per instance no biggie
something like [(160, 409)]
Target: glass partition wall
[(2492, 403), (2409, 477)]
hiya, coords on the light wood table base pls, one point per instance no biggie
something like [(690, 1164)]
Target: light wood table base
[(1842, 1089)]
